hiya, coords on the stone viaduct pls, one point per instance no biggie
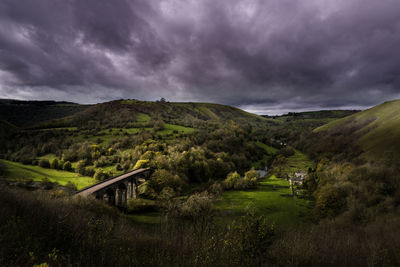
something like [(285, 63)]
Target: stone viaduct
[(117, 190)]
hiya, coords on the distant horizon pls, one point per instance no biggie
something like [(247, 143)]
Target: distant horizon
[(283, 112)]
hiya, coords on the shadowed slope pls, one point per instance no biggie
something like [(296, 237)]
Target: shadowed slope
[(377, 130)]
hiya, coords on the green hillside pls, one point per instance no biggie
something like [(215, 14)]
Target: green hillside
[(197, 142), (20, 173), (377, 130), (137, 114)]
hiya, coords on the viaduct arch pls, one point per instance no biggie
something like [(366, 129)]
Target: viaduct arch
[(117, 190)]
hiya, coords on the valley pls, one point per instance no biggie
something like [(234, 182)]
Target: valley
[(218, 174)]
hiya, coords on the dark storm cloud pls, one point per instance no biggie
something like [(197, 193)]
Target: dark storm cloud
[(265, 56)]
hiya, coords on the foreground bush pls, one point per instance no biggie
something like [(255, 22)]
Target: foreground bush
[(46, 228), (37, 228), (340, 243)]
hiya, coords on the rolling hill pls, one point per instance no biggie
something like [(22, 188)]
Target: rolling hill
[(27, 113), (376, 130), (134, 113)]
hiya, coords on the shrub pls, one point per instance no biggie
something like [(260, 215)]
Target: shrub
[(89, 171), (54, 164), (148, 155), (102, 161), (146, 191), (166, 193), (163, 178), (80, 167), (251, 175), (251, 178), (235, 181), (197, 206), (67, 166), (71, 187), (118, 167), (231, 180), (248, 239), (100, 175), (216, 189), (127, 165), (330, 201), (44, 163), (142, 163)]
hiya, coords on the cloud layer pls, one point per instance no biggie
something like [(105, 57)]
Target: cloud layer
[(266, 56)]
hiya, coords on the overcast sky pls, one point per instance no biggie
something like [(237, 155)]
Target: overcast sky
[(267, 56)]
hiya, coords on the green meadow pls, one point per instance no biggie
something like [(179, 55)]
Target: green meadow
[(19, 172), (170, 128), (297, 162), (272, 199)]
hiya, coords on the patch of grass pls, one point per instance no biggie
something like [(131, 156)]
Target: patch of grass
[(269, 149), (20, 172), (142, 117), (271, 199), (170, 128), (297, 162)]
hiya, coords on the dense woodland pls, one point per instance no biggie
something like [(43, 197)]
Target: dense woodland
[(197, 151)]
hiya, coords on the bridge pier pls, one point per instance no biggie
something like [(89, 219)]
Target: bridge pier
[(121, 195), (131, 190)]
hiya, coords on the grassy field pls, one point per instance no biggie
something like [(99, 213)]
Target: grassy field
[(143, 118), (20, 172), (269, 149), (271, 199), (297, 162), (170, 128)]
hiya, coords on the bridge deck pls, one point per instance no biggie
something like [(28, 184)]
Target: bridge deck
[(93, 188)]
